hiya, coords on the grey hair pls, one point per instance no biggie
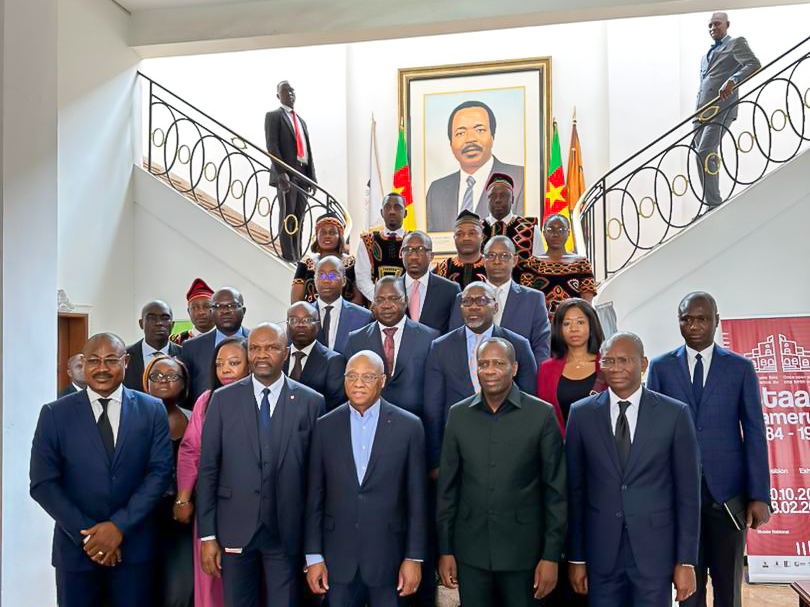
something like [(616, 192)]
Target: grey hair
[(608, 343), (504, 240), (481, 285)]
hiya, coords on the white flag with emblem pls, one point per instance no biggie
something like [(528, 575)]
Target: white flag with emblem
[(374, 189)]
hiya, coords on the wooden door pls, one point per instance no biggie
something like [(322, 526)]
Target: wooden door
[(72, 337)]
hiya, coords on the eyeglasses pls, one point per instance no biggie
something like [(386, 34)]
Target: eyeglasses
[(301, 322), (366, 378), (158, 376), (231, 307), (476, 301), (501, 256), (111, 362), (617, 363), (552, 230), (414, 251), (393, 299), (329, 276)]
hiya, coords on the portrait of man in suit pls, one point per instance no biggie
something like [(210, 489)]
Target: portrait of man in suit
[(471, 130)]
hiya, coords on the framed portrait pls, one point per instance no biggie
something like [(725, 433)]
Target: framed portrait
[(465, 122)]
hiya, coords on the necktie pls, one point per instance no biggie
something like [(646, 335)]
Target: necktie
[(299, 142), (467, 201), (697, 379), (623, 433), (388, 349), (264, 410), (499, 298), (414, 301), (473, 362), (499, 228), (325, 325), (298, 367), (105, 428)]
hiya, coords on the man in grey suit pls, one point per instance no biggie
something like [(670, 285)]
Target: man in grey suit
[(471, 131), (728, 62)]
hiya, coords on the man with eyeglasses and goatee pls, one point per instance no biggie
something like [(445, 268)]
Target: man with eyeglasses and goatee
[(337, 316), (100, 462), (228, 308), (156, 324)]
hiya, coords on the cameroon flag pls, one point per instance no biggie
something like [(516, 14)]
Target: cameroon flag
[(402, 179), (555, 201)]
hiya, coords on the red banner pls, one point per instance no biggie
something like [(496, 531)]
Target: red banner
[(780, 350)]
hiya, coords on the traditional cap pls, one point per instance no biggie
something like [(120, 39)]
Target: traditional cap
[(330, 219), (501, 178), (468, 217), (199, 289)]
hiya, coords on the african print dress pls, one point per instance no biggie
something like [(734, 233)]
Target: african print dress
[(558, 280)]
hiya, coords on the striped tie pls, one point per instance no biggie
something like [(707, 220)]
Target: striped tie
[(474, 365)]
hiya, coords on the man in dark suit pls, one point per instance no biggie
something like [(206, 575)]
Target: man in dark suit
[(156, 324), (471, 131), (229, 311), (251, 487), (723, 395), (450, 373), (634, 488), (430, 297), (75, 371), (502, 493), (520, 309), (366, 507), (287, 139), (100, 462), (338, 317), (310, 362), (198, 300), (401, 343)]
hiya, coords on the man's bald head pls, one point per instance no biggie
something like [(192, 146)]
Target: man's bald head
[(265, 330), (364, 379), (367, 356), (156, 323), (105, 338), (228, 308)]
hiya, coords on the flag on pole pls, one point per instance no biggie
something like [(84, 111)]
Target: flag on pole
[(374, 188), (402, 178), (576, 174), (555, 201)]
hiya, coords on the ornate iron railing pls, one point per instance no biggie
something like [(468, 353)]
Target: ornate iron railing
[(658, 191), (228, 174)]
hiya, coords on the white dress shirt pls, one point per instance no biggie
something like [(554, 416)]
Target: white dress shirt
[(113, 407), (149, 352), (481, 175), (537, 233), (501, 295), (334, 319), (275, 390), (423, 288), (400, 326), (288, 111), (362, 265), (306, 350), (631, 413), (706, 356)]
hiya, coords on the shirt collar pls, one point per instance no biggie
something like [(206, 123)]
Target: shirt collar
[(220, 335), (423, 280), (336, 305), (472, 335), (77, 386), (513, 397), (275, 388), (400, 233), (371, 413), (400, 325), (149, 350), (506, 220), (507, 284), (117, 396), (306, 349), (706, 354), (719, 42), (634, 398)]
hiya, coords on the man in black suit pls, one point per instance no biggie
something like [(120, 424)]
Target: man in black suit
[(251, 486), (634, 488), (229, 309), (100, 462), (75, 371), (287, 139), (366, 505), (502, 491), (310, 362), (338, 317), (156, 324), (402, 344), (430, 297), (450, 373)]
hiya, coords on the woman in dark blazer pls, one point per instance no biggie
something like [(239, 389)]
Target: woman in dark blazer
[(572, 372)]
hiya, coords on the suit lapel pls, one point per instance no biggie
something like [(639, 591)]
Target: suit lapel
[(375, 340), (380, 438), (682, 371), (283, 418), (124, 423), (345, 439), (461, 346), (342, 332), (247, 402), (288, 121), (511, 303), (426, 297), (646, 418), (404, 348), (313, 364), (87, 420), (715, 371), (606, 430)]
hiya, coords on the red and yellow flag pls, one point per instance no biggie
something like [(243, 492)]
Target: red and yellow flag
[(402, 179), (576, 174), (555, 201)]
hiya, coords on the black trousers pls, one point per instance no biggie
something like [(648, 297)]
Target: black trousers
[(485, 588), (262, 560), (563, 594), (120, 586), (174, 566), (357, 593), (425, 596), (720, 554), (292, 208)]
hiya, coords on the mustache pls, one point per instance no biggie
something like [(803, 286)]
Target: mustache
[(102, 376), (471, 147)]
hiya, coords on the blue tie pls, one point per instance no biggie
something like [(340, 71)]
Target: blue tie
[(264, 411), (697, 379)]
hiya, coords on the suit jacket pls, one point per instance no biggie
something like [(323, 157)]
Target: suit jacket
[(447, 380), (323, 372), (733, 58), (197, 354), (372, 526), (438, 302), (405, 387), (279, 134), (733, 463), (524, 519), (352, 317), (69, 389), (656, 497), (230, 478), (73, 479), (133, 376), (525, 314), (442, 197)]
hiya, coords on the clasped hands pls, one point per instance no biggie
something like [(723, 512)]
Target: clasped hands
[(102, 543)]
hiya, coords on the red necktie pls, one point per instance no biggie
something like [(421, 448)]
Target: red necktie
[(388, 349), (299, 142), (414, 301)]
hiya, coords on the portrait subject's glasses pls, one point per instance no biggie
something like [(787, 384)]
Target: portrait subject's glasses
[(111, 362), (157, 376), (232, 307), (366, 378)]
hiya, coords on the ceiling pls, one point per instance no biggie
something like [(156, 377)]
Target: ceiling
[(140, 5)]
